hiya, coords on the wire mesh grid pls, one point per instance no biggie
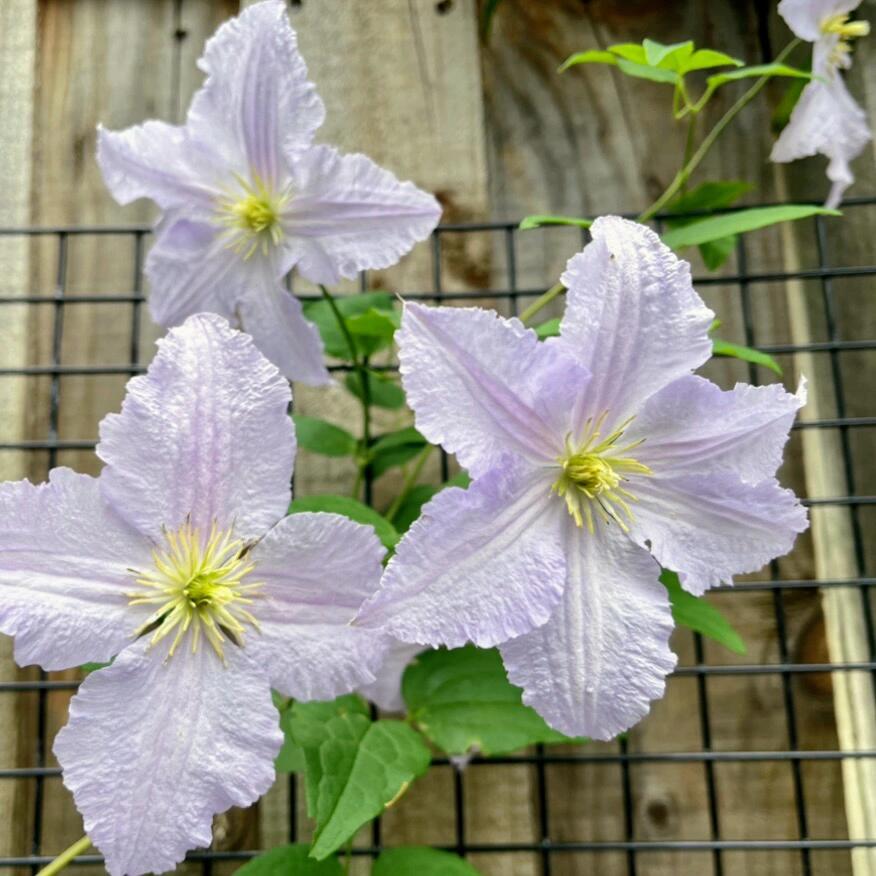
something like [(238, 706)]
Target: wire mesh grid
[(546, 848)]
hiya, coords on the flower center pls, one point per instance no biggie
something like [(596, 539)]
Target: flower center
[(197, 584), (592, 475), (252, 216), (847, 31)]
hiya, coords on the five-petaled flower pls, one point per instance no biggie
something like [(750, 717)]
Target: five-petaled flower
[(179, 562), (246, 196), (596, 457), (826, 119)]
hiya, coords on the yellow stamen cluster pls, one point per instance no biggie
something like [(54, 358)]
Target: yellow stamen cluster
[(592, 475), (847, 31), (252, 216), (197, 584)]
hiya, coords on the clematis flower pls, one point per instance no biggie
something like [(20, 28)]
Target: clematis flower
[(596, 457), (386, 690), (178, 562), (826, 119), (246, 196)]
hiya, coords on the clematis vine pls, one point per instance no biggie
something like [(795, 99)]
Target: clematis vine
[(826, 119), (246, 196), (178, 561), (597, 457)]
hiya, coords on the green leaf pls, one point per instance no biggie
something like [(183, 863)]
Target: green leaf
[(421, 861), (759, 70), (319, 436), (746, 354), (549, 329), (715, 227), (293, 860), (365, 766), (715, 195), (716, 252), (384, 392), (643, 71), (703, 59), (699, 615), (530, 222), (395, 448), (374, 329), (88, 668), (669, 57), (412, 505), (320, 313), (634, 52), (594, 56), (291, 757), (462, 701), (782, 113), (351, 508)]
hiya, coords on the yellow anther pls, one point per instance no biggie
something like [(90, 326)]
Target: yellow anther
[(592, 474), (846, 31), (197, 584), (253, 216)]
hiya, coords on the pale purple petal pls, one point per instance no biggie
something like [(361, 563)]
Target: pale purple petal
[(318, 569), (257, 104), (191, 270), (804, 17), (155, 748), (482, 565), (594, 667), (204, 434), (386, 691), (826, 120), (711, 527), (156, 160), (482, 386), (347, 214), (694, 427), (632, 316), (274, 318), (64, 561)]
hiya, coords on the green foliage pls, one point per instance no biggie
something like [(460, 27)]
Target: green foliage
[(782, 113), (88, 668), (319, 436), (383, 391), (351, 508), (670, 64), (549, 329), (715, 227), (410, 508), (421, 861), (395, 448), (747, 354), (462, 701), (292, 860), (487, 14), (355, 767), (707, 197), (361, 314), (530, 222), (699, 615)]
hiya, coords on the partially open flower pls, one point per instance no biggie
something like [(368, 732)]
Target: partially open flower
[(247, 196), (596, 457), (826, 119), (179, 562)]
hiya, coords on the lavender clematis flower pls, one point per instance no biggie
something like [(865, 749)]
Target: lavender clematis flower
[(179, 562), (826, 119), (246, 196), (386, 690), (595, 457)]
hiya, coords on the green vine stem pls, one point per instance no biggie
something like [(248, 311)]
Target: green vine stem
[(409, 482), (360, 366), (80, 846), (541, 301), (690, 166)]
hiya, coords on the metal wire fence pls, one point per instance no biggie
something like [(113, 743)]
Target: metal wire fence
[(544, 846)]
